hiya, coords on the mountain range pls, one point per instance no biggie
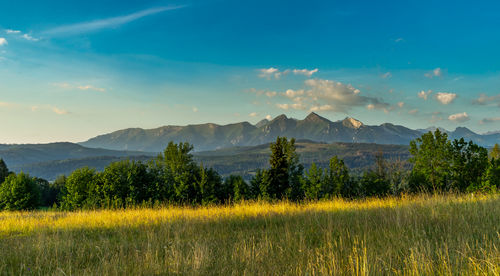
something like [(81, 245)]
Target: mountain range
[(314, 127)]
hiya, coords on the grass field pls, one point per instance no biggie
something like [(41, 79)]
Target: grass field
[(447, 235)]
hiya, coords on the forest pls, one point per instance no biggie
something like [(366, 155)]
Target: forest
[(174, 178)]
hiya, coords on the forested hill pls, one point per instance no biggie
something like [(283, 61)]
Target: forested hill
[(50, 160), (314, 127), (15, 155)]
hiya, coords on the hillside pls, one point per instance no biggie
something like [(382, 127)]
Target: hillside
[(236, 160), (314, 127)]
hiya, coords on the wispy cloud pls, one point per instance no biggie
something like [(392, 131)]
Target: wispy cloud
[(438, 72), (3, 41), (270, 73), (423, 94), (65, 85), (29, 37), (12, 31), (59, 111), (489, 120), (487, 100), (387, 75), (107, 23)]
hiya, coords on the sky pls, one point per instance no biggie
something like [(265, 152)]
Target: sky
[(71, 70)]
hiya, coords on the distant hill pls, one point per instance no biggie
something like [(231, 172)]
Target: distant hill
[(35, 153), (236, 160), (314, 127)]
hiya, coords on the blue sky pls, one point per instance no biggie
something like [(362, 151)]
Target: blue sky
[(70, 70)]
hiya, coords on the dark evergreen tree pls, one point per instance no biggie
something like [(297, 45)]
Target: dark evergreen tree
[(4, 171), (469, 162), (313, 183), (337, 177)]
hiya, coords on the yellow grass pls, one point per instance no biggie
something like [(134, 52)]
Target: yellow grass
[(408, 236)]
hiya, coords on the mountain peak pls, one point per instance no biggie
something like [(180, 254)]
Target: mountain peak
[(262, 122), (280, 117), (464, 130), (313, 117), (352, 123)]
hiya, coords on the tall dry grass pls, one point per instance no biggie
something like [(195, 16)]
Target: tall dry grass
[(446, 235)]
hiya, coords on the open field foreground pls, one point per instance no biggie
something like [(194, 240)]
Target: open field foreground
[(447, 235)]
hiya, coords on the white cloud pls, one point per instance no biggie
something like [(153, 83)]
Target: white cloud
[(268, 117), (422, 94), (271, 94), (434, 73), (489, 120), (253, 114), (446, 98), (108, 23), (65, 85), (413, 111), (3, 41), (325, 107), (459, 117), (290, 93), (275, 73), (401, 104), (370, 106), (305, 72), (90, 87), (6, 104), (283, 106), (327, 95), (12, 31), (59, 111), (29, 37), (399, 39), (387, 75), (195, 109), (269, 73)]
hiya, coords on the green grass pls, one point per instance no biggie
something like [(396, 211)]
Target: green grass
[(444, 235)]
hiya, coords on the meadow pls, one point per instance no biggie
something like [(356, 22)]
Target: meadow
[(409, 235)]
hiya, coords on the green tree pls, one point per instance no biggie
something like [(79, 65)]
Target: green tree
[(19, 192), (431, 162), (256, 182), (468, 164), (125, 182), (209, 186), (284, 174), (4, 171), (337, 177), (313, 182), (179, 172), (81, 187), (495, 152), (375, 182), (491, 179), (236, 189), (48, 192)]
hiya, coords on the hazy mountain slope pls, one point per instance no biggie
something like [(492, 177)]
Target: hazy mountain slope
[(15, 155), (236, 160)]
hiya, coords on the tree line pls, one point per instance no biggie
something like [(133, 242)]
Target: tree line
[(173, 177)]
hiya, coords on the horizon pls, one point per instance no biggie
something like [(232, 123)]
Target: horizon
[(429, 128), (72, 71)]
